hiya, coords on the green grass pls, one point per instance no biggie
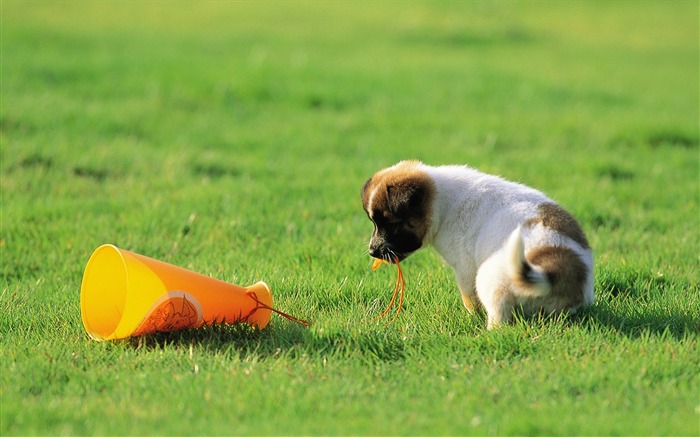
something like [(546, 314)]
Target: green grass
[(232, 138)]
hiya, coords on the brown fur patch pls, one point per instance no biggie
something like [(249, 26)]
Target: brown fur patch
[(555, 217), (566, 271), (400, 193)]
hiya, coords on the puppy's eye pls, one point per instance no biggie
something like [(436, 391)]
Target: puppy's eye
[(393, 221), (386, 220)]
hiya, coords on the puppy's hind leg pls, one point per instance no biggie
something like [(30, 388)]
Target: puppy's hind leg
[(495, 291), (507, 278), (500, 310)]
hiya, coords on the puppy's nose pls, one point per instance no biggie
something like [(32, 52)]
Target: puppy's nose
[(375, 250)]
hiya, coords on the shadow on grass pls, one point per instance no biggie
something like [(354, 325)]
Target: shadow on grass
[(280, 337), (636, 303), (629, 303), (645, 322)]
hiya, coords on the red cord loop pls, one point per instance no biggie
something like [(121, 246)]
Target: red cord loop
[(259, 304), (398, 289)]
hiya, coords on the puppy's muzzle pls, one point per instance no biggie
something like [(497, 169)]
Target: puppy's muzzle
[(381, 250), (376, 251)]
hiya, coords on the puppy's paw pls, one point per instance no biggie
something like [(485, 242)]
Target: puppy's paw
[(468, 304), (499, 316), (493, 324)]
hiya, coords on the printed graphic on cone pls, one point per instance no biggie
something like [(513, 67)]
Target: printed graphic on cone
[(125, 294)]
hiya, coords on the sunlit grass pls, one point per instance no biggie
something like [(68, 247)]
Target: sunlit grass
[(232, 138)]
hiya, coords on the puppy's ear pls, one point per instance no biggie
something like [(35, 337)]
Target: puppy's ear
[(407, 197)]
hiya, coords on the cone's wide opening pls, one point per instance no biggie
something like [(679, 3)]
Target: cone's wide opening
[(103, 292)]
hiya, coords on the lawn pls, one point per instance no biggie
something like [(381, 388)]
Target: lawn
[(232, 138)]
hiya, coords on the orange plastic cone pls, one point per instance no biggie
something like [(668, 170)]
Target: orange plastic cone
[(125, 294)]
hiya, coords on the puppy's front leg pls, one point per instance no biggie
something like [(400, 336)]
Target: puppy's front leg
[(465, 281), (467, 301)]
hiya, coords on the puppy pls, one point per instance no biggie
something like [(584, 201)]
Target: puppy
[(511, 247)]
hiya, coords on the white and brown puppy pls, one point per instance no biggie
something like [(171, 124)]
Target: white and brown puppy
[(511, 247)]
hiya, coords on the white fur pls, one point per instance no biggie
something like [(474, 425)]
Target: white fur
[(476, 227), (513, 257)]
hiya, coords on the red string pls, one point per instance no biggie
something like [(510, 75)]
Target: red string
[(398, 289), (259, 304)]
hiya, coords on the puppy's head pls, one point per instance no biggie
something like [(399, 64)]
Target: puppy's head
[(398, 200)]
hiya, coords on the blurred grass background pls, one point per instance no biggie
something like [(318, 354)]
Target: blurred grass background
[(232, 138)]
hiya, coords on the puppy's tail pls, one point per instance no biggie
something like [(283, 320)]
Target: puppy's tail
[(528, 279)]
